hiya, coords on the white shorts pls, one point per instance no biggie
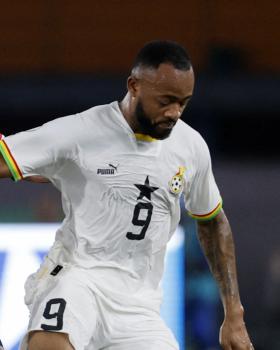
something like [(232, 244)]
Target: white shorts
[(70, 303)]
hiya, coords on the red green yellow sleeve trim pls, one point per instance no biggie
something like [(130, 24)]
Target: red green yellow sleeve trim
[(210, 215), (9, 159)]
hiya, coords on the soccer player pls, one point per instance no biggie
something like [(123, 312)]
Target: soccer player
[(121, 169)]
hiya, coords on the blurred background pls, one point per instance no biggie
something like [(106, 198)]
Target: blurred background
[(62, 57)]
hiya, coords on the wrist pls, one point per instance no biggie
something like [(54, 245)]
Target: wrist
[(233, 309)]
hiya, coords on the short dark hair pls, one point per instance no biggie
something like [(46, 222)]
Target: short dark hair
[(157, 52)]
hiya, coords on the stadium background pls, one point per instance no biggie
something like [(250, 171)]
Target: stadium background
[(59, 58)]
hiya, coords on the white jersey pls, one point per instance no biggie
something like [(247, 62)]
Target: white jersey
[(120, 191)]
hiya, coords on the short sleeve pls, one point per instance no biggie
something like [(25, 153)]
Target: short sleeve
[(203, 200), (40, 151)]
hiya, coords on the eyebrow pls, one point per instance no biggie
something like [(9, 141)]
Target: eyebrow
[(174, 98)]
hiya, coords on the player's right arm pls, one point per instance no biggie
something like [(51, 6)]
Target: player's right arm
[(37, 155), (4, 170)]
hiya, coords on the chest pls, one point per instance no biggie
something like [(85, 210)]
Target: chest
[(141, 172)]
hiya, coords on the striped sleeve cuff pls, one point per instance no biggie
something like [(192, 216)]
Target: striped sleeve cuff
[(9, 159), (208, 216)]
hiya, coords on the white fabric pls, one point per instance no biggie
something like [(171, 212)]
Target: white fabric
[(93, 321), (95, 160)]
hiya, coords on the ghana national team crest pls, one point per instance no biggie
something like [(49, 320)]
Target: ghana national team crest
[(177, 181)]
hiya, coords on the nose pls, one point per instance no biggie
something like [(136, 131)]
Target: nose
[(174, 111)]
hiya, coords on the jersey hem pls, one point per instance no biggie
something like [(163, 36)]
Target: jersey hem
[(10, 161), (208, 216)]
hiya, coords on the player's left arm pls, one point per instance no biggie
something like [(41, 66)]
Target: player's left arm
[(216, 240)]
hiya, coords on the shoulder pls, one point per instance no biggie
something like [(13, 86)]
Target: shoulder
[(72, 126), (74, 120), (187, 144), (65, 124), (97, 112), (98, 118), (188, 138)]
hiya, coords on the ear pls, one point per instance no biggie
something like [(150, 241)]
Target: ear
[(132, 85)]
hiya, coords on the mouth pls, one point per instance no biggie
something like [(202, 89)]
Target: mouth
[(166, 125)]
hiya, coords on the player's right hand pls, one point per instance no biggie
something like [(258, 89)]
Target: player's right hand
[(234, 335)]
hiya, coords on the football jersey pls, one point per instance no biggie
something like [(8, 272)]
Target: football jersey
[(120, 191)]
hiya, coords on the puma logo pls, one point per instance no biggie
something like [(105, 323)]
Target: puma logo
[(114, 166), (108, 171)]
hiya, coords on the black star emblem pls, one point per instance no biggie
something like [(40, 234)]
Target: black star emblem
[(146, 189)]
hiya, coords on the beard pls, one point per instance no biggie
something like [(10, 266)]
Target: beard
[(147, 127)]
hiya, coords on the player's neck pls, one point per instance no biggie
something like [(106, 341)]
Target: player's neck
[(127, 111)]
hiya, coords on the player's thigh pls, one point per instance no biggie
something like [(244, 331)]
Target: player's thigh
[(42, 340), (133, 331), (64, 306), (144, 345)]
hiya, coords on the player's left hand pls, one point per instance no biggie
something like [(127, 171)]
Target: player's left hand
[(234, 335)]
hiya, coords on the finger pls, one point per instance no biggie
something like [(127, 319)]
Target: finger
[(249, 345)]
